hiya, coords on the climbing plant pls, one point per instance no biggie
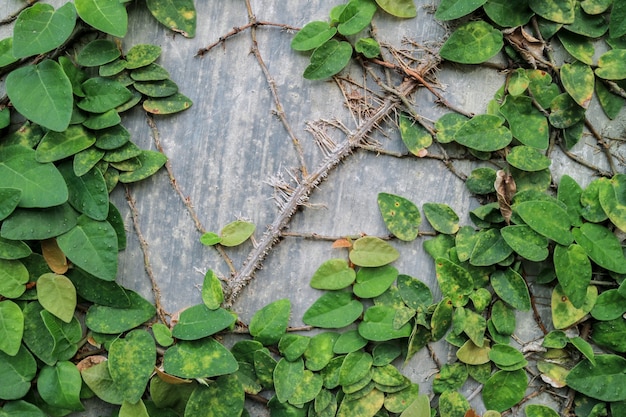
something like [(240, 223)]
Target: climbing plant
[(69, 331)]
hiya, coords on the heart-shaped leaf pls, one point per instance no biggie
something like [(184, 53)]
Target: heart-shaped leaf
[(511, 288), (605, 381), (398, 8), (333, 310), (401, 216), (107, 16), (578, 80), (39, 29), (131, 362), (484, 133), (328, 60), (42, 93), (11, 327), (472, 43), (59, 386), (204, 358), (527, 124), (312, 35), (270, 323), (199, 321), (110, 320), (371, 251), (334, 274), (454, 9), (225, 397), (505, 389), (57, 294), (177, 15), (573, 270), (564, 314)]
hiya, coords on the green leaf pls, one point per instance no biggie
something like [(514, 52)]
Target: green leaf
[(584, 347), (103, 120), (527, 124), (131, 363), (578, 80), (506, 356), (542, 88), (611, 65), (414, 292), (86, 160), (454, 9), (151, 162), (356, 16), (527, 159), (612, 199), (270, 323), (441, 217), (334, 274), (471, 354), (601, 246), (610, 334), (490, 248), (546, 218), (59, 145), (199, 321), (401, 216), (610, 305), (110, 320), (350, 341), (378, 325), (355, 367), (617, 20), (485, 133), (167, 105), (369, 47), (92, 245), (103, 94), (504, 389), (455, 282), (210, 239), (366, 406), (17, 373), (573, 270), (414, 135), (6, 52), (441, 319), (595, 6), (580, 47), (177, 15), (371, 251), (151, 72), (162, 334), (22, 408), (312, 35), (293, 346), (511, 288), (204, 358), (398, 8), (453, 403), (39, 29), (333, 310), (136, 409), (107, 16), (328, 60), (307, 389), (508, 14), (447, 126), (11, 327), (142, 55), (212, 292), (98, 379), (591, 26), (98, 52), (526, 242), (287, 375), (224, 398), (472, 43), (42, 93), (611, 103), (320, 350), (559, 11), (13, 249), (13, 278), (59, 386), (565, 112), (481, 181), (564, 314), (57, 294), (88, 193), (237, 232), (372, 282), (98, 291), (27, 224), (538, 410), (9, 197), (606, 381)]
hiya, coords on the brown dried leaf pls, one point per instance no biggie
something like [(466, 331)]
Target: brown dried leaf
[(471, 413), (342, 243), (170, 379), (529, 47), (90, 361), (505, 190), (54, 256)]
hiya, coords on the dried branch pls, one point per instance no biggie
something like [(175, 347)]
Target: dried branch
[(302, 191)]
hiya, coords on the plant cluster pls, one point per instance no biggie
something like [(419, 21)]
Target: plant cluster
[(60, 234)]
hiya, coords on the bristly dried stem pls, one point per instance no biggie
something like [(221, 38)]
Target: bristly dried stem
[(156, 291), (603, 145), (303, 190)]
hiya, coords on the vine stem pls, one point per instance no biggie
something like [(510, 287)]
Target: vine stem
[(280, 112), (156, 137), (156, 291), (301, 193)]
